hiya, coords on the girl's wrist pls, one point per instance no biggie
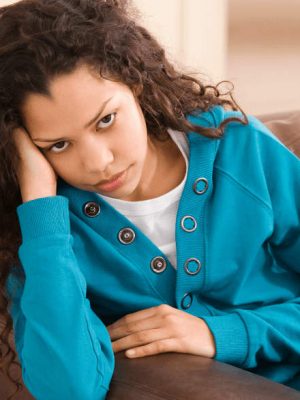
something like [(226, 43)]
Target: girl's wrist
[(38, 194)]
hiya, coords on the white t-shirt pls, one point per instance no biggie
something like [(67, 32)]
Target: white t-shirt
[(156, 217)]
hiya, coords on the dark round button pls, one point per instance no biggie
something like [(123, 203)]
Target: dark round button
[(186, 301), (200, 185), (188, 223), (91, 209), (192, 266), (126, 235), (158, 264)]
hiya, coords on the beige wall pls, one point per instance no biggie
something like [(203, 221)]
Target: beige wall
[(186, 29), (7, 2), (255, 44), (264, 54)]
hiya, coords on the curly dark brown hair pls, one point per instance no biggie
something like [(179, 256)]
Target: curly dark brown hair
[(41, 39)]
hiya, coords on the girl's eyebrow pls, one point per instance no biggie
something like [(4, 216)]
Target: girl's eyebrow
[(85, 126)]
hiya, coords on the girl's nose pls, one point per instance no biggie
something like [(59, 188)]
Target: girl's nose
[(96, 157)]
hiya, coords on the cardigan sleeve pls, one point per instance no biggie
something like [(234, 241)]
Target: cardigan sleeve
[(270, 333), (64, 348)]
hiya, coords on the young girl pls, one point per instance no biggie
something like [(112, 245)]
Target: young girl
[(140, 210)]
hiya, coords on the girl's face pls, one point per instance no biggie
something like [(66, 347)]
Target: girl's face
[(91, 129)]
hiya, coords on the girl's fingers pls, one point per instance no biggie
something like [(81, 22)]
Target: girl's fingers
[(161, 346), (146, 313), (130, 328), (136, 316), (139, 338), (21, 138)]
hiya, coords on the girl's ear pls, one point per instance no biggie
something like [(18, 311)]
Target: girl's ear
[(137, 90)]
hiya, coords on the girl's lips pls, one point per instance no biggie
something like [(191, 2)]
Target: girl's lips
[(114, 184)]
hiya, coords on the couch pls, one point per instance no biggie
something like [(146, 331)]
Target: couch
[(173, 376)]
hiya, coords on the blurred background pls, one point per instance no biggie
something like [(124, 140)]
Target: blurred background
[(255, 44)]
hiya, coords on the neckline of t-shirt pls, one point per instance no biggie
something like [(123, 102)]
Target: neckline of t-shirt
[(156, 204)]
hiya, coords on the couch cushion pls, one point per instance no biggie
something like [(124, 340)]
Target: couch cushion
[(175, 376), (286, 126)]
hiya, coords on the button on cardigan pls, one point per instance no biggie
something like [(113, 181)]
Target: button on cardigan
[(238, 266)]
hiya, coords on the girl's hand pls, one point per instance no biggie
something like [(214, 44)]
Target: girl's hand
[(35, 174), (162, 329)]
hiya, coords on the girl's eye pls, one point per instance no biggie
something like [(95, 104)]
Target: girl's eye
[(60, 149), (107, 120)]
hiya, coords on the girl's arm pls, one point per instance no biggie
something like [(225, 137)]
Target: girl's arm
[(270, 333), (64, 348)]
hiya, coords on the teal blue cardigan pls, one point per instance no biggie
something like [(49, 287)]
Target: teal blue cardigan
[(245, 284)]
